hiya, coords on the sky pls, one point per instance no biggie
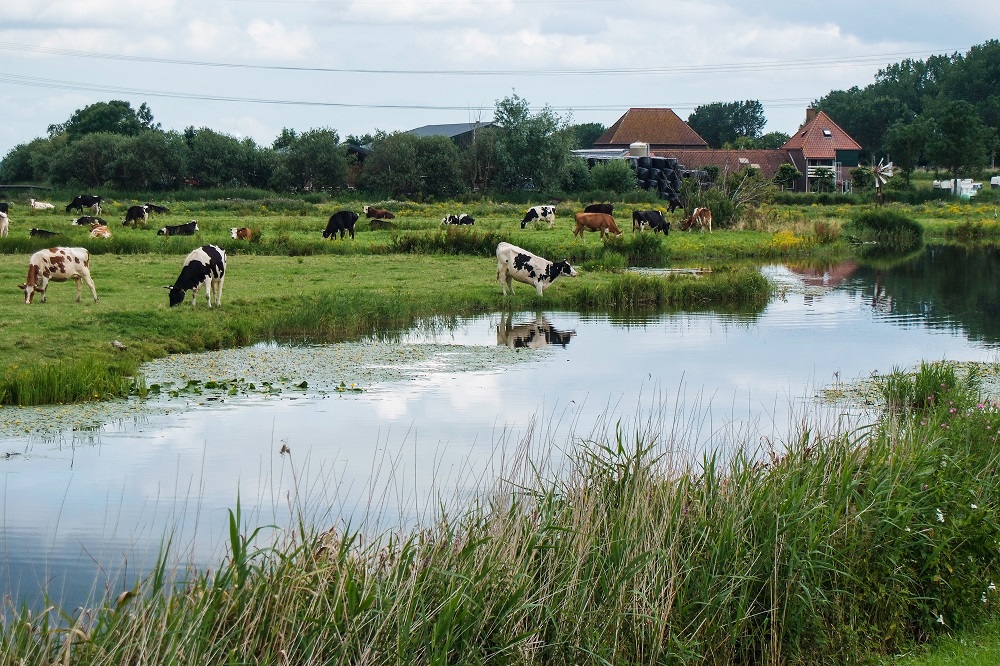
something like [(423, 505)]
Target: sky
[(250, 68)]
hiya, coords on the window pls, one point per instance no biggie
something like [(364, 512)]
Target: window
[(827, 133)]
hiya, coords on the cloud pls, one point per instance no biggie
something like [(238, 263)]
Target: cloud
[(272, 40)]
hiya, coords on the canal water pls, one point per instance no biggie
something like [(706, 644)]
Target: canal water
[(367, 432)]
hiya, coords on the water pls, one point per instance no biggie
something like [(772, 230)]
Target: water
[(88, 509)]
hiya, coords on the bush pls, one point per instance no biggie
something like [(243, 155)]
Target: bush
[(886, 226), (614, 175)]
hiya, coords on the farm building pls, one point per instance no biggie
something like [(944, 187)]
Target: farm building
[(820, 144), (661, 129)]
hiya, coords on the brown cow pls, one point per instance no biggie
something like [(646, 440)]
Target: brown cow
[(595, 222), (98, 230), (241, 233), (378, 213), (700, 216), (57, 264)]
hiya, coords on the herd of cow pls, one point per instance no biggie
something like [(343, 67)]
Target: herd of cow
[(206, 265)]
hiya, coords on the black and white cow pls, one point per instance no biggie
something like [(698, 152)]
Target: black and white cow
[(88, 220), (82, 201), (341, 221), (606, 208), (649, 219), (4, 224), (204, 266), (136, 215), (42, 233), (531, 335), (186, 229), (538, 214), (153, 208), (463, 218), (514, 263)]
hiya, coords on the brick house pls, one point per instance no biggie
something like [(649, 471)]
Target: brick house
[(821, 144)]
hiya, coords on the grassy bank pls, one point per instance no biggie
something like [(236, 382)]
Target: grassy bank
[(845, 546), (62, 351)]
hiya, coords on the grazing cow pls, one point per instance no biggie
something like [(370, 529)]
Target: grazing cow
[(206, 265), (699, 216), (98, 230), (606, 208), (186, 229), (40, 205), (531, 335), (341, 221), (153, 208), (58, 264), (513, 263), (463, 218), (242, 233), (42, 233), (649, 219), (136, 215), (595, 222), (82, 201), (537, 214), (88, 221), (378, 213), (4, 224)]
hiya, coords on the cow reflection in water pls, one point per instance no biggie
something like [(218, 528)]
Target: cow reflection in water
[(532, 335)]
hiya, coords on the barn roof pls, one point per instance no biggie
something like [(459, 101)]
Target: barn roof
[(657, 127), (767, 161), (820, 138), (450, 130)]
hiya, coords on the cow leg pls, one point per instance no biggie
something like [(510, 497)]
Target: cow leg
[(218, 292), (208, 292), (538, 287), (90, 283)]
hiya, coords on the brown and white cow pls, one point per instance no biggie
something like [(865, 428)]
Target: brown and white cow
[(98, 230), (514, 263), (241, 233), (378, 213), (699, 216), (595, 222), (58, 264)]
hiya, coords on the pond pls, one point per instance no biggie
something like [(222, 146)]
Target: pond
[(90, 494)]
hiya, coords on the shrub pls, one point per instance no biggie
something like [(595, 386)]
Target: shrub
[(614, 175), (886, 226)]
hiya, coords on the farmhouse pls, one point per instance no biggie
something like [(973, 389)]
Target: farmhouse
[(820, 147)]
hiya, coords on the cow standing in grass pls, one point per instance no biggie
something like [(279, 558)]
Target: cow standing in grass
[(514, 263), (57, 264), (203, 266)]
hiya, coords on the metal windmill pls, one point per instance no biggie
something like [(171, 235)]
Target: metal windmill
[(882, 172)]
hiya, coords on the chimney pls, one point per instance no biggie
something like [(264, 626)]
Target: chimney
[(810, 113)]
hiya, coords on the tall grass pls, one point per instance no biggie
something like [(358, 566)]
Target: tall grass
[(739, 288), (836, 547), (72, 380)]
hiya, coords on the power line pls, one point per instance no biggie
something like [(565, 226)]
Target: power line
[(723, 68)]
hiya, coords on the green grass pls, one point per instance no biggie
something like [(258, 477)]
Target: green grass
[(836, 547), (980, 647)]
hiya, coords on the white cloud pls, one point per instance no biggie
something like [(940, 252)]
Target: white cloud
[(272, 40)]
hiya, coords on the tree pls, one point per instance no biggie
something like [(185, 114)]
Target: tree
[(89, 161), (906, 143), (314, 160), (114, 117), (438, 164), (959, 141), (151, 161), (391, 167), (719, 123), (586, 134), (786, 176), (530, 148), (29, 162), (217, 160), (771, 140)]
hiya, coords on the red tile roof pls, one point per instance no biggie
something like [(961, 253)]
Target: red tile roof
[(820, 139), (731, 161), (657, 127)]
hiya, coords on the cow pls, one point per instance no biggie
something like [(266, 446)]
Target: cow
[(4, 224), (82, 201), (186, 229), (463, 218), (136, 215), (58, 264), (595, 222), (40, 205), (242, 233), (531, 335), (153, 208), (205, 265), (514, 263), (537, 214), (4, 207), (88, 221), (649, 219), (378, 213), (699, 216), (98, 230), (42, 233), (341, 221), (606, 208)]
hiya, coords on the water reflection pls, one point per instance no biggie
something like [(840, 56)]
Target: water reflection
[(531, 335)]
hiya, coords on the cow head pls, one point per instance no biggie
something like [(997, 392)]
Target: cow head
[(232, 231), (176, 296), (563, 268)]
